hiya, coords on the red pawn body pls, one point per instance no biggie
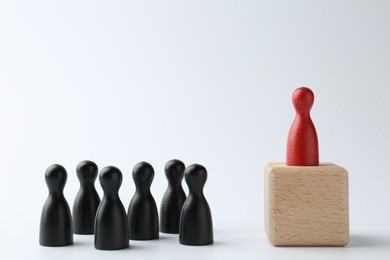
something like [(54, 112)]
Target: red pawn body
[(302, 143)]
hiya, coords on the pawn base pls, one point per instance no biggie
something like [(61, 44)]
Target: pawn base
[(196, 243)]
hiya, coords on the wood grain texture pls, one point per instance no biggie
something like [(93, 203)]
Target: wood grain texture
[(306, 205)]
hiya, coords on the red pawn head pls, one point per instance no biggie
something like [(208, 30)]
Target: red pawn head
[(302, 143)]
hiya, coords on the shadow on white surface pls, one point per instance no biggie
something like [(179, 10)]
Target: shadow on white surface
[(82, 243), (368, 241), (168, 237)]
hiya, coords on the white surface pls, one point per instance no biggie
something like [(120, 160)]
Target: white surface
[(202, 81)]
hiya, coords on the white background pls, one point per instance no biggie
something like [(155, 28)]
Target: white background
[(209, 82)]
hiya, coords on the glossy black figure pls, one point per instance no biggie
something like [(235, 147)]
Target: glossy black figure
[(142, 213), (196, 226), (174, 198), (56, 219), (111, 230), (87, 199)]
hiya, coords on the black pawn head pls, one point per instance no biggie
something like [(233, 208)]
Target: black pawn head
[(174, 171), (111, 179), (143, 174), (55, 177), (87, 172), (196, 177)]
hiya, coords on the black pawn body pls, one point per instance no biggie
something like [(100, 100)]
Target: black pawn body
[(56, 219), (87, 199), (174, 198), (196, 226), (142, 213), (111, 231)]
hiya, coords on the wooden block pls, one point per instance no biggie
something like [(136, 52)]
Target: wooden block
[(306, 205)]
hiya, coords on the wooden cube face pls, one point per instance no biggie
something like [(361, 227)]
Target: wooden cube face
[(306, 205)]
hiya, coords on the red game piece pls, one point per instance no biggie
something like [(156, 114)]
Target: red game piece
[(302, 143)]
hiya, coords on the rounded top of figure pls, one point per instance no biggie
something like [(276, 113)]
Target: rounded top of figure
[(111, 179), (143, 174), (174, 171), (87, 172), (196, 177), (55, 177), (303, 99)]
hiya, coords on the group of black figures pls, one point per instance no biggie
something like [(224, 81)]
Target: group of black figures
[(190, 217)]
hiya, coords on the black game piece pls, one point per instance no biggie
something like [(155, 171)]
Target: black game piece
[(142, 213), (87, 199), (56, 219), (111, 230), (196, 226), (173, 199)]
